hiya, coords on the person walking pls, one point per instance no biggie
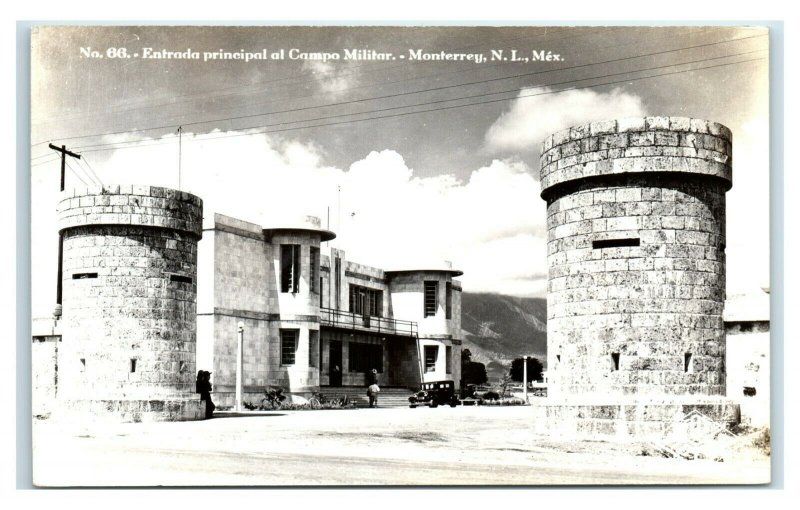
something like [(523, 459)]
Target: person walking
[(372, 393)]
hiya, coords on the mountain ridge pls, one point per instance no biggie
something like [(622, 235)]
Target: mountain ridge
[(498, 328)]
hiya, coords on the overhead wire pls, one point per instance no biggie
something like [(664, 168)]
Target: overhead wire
[(85, 164), (207, 95), (76, 173), (90, 148), (95, 173), (400, 94)]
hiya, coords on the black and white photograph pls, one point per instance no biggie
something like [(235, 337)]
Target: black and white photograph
[(400, 256)]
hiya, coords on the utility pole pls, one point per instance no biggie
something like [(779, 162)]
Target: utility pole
[(64, 153), (180, 140)]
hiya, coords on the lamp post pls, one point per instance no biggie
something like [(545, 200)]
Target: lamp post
[(525, 378), (239, 342)]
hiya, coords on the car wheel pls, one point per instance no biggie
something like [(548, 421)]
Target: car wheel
[(434, 403)]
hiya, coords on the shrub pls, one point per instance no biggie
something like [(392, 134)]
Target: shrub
[(513, 401), (491, 395), (762, 441)]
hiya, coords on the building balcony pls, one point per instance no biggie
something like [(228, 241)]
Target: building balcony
[(340, 319)]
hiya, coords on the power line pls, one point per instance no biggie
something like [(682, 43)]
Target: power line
[(92, 170), (439, 108), (515, 90), (471, 68), (89, 173), (56, 158), (76, 174), (691, 31), (208, 94), (400, 94)]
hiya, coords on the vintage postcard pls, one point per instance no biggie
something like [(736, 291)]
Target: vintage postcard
[(400, 256)]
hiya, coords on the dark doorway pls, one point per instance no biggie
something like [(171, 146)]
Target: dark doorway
[(335, 363)]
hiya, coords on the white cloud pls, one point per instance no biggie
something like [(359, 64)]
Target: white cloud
[(332, 78), (747, 211), (490, 226), (531, 119)]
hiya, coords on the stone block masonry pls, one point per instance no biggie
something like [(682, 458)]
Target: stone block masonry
[(636, 257), (129, 305)]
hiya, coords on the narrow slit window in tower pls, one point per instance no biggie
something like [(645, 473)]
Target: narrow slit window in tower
[(133, 365), (615, 361), (615, 243), (83, 276), (687, 362)]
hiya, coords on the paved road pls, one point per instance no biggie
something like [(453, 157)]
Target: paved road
[(463, 446)]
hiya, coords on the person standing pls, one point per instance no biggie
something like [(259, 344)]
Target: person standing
[(372, 393), (203, 387)]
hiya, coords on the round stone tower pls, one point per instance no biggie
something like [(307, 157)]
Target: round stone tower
[(129, 302), (636, 257)]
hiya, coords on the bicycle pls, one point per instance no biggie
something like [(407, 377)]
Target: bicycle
[(273, 398), (316, 400)]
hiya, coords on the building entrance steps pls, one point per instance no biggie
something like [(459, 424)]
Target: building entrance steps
[(390, 396)]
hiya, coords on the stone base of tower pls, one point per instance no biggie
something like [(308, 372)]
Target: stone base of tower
[(182, 407), (649, 420)]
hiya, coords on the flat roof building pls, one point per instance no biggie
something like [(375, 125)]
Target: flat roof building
[(312, 318)]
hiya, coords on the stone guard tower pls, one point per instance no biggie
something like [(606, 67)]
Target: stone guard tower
[(129, 303), (636, 271)]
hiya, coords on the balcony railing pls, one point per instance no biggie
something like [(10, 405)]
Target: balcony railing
[(348, 320)]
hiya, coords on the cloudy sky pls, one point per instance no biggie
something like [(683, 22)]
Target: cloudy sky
[(408, 161)]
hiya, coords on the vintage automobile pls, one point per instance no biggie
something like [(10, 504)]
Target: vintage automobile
[(432, 394)]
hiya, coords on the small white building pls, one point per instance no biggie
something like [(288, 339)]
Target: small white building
[(748, 354)]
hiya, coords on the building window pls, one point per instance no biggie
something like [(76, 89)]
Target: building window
[(615, 361), (687, 362), (431, 353), (321, 293), (448, 359), (448, 287), (365, 357), (133, 365), (82, 365), (290, 268), (364, 301), (315, 286), (288, 345), (313, 347), (431, 289), (337, 282)]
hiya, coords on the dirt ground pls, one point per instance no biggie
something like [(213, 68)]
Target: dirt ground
[(380, 447)]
